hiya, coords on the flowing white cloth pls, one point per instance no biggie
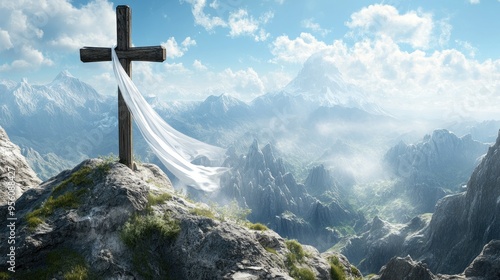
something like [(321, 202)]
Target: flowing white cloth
[(174, 149)]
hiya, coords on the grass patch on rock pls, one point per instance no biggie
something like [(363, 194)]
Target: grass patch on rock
[(67, 194), (138, 232), (256, 226), (69, 200), (271, 250), (337, 271), (198, 211), (139, 228), (64, 263), (295, 257)]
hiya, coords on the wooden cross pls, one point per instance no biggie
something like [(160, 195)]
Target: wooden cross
[(126, 53)]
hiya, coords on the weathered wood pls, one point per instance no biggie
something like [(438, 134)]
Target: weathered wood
[(123, 31), (126, 54), (95, 54)]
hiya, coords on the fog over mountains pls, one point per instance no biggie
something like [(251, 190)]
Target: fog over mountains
[(318, 161)]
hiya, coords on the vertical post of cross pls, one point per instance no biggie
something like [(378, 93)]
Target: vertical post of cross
[(123, 31)]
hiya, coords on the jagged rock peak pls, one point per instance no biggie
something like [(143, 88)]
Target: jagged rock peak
[(319, 180), (255, 157), (16, 176)]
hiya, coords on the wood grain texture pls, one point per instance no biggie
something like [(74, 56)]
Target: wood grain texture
[(123, 42), (97, 54)]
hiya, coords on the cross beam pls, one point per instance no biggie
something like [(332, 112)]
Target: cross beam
[(126, 53)]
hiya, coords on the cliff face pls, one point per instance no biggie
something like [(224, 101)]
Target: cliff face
[(15, 174), (102, 220), (464, 223)]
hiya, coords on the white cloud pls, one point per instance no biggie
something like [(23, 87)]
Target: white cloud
[(240, 24), (5, 42), (205, 20), (214, 5), (297, 50), (175, 50), (188, 42), (238, 21), (34, 30), (414, 27), (242, 82), (176, 68), (314, 26), (28, 58), (467, 47), (442, 82), (474, 2), (94, 24), (199, 66)]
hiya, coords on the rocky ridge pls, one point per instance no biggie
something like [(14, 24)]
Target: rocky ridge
[(16, 176), (110, 222), (437, 166), (441, 159)]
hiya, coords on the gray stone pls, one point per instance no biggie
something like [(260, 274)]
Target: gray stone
[(405, 269), (15, 173), (487, 265)]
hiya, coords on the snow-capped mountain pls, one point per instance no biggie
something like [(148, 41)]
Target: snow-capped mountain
[(321, 82), (62, 121)]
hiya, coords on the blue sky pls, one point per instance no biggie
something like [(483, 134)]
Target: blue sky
[(397, 51)]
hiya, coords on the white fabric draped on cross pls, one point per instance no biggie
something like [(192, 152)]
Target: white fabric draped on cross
[(174, 149)]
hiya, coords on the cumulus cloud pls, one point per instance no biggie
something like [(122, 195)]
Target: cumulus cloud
[(238, 21), (27, 58), (174, 49), (201, 18), (197, 65), (295, 50), (414, 27), (246, 82), (70, 28), (5, 42), (33, 31), (440, 82)]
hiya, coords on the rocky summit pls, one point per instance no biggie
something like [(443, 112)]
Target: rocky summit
[(102, 220)]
